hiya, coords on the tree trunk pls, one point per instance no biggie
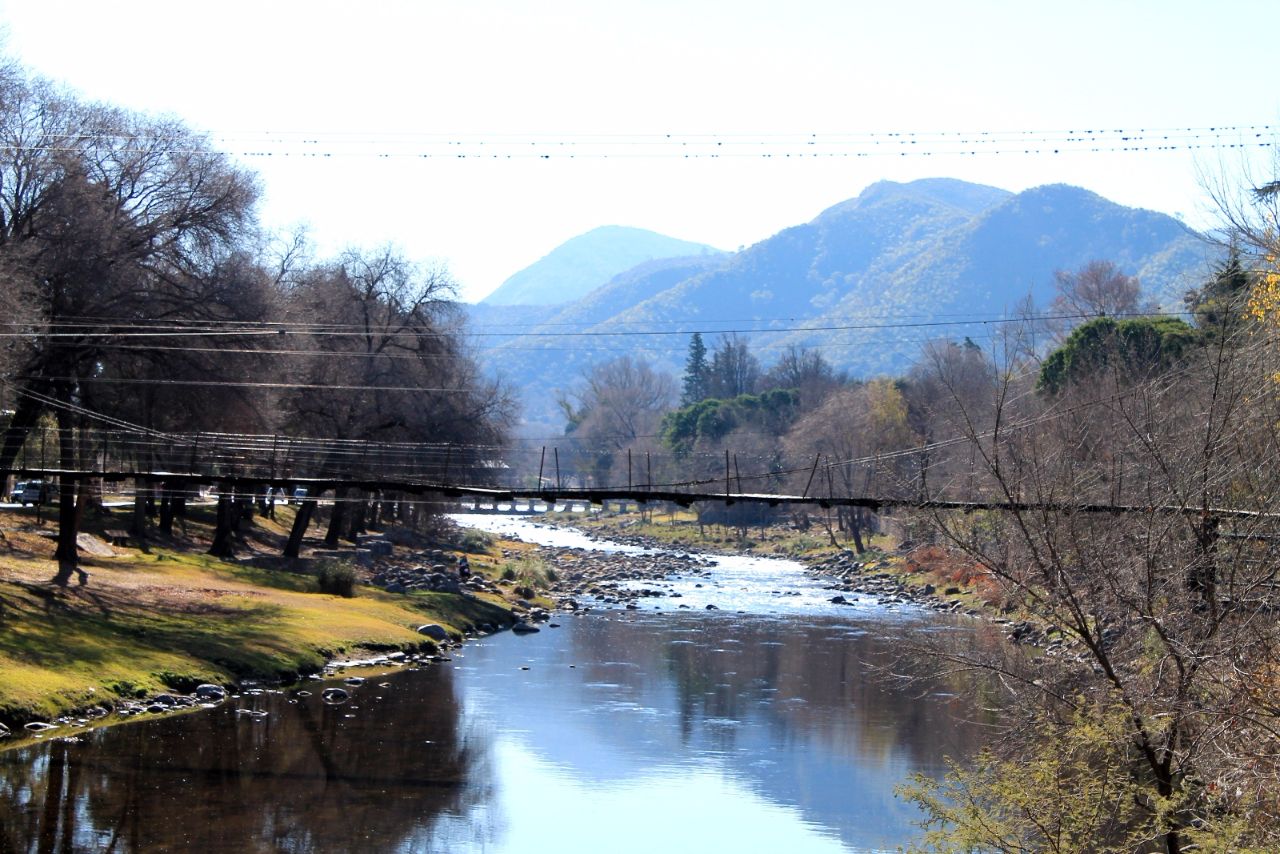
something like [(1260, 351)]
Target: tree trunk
[(855, 528), (222, 545), (138, 526), (300, 524), (359, 508), (68, 519), (336, 518), (166, 509)]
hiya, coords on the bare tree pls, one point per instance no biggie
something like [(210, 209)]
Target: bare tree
[(734, 370), (107, 220), (1162, 620), (618, 405)]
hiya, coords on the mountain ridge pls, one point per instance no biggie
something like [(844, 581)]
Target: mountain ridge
[(926, 251), (585, 262)]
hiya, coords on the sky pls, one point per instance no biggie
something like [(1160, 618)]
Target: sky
[(573, 115)]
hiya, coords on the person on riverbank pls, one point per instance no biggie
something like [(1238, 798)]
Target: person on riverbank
[(464, 568)]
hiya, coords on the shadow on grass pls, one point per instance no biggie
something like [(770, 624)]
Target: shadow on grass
[(45, 629)]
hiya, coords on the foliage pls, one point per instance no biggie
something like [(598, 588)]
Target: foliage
[(474, 541), (532, 573), (713, 419), (1075, 792), (734, 371), (694, 384), (336, 577), (1221, 304), (1135, 349)]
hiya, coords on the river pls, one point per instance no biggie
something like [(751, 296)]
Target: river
[(758, 726)]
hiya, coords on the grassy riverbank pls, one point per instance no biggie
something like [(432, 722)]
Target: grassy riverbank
[(170, 617)]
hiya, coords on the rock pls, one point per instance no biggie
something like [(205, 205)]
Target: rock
[(354, 680), (523, 628), (40, 726), (335, 695), (838, 600), (157, 708), (4, 731), (396, 587), (951, 591), (210, 692), (712, 608), (434, 631), (166, 700)]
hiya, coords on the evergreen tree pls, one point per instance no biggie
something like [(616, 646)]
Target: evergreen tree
[(695, 372), (1220, 306)]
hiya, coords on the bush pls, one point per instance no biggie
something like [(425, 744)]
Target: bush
[(474, 542), (508, 573), (336, 577)]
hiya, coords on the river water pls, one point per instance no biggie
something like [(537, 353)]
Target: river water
[(759, 726)]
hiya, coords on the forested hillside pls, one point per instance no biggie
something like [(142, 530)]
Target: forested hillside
[(912, 254)]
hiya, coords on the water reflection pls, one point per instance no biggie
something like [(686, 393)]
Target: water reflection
[(619, 731), (367, 775), (732, 713)]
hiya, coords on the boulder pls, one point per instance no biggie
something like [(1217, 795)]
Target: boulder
[(434, 631), (209, 693), (523, 628)]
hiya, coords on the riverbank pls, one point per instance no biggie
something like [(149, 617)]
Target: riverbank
[(151, 624)]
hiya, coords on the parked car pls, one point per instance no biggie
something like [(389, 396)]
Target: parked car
[(17, 491), (34, 492), (299, 495)]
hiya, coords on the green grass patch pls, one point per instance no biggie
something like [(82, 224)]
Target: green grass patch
[(167, 621)]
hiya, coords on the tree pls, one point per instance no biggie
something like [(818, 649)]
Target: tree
[(617, 406), (1161, 612), (694, 386), (107, 220), (1135, 349), (734, 370), (806, 371), (380, 358), (1221, 306), (1098, 289), (860, 434)]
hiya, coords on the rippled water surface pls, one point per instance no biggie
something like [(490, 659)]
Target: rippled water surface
[(649, 730)]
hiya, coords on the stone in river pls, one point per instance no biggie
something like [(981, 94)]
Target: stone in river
[(521, 628), (210, 692), (334, 695)]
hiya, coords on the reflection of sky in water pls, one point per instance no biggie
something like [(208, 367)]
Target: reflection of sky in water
[(666, 808), (647, 730)]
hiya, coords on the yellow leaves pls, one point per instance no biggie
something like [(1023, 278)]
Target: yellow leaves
[(1264, 300)]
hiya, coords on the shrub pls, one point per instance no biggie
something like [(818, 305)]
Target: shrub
[(336, 577), (474, 542)]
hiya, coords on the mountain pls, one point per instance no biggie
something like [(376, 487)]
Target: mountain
[(868, 280), (580, 265)]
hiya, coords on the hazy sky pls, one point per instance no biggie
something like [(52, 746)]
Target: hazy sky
[(335, 104)]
